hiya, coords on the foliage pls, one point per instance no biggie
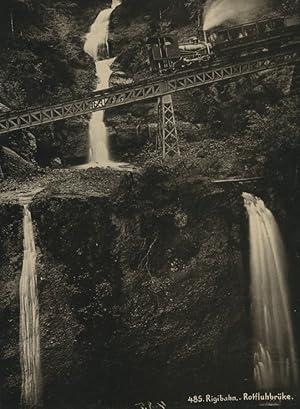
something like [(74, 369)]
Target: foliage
[(222, 107), (277, 131), (41, 52), (43, 62), (278, 126)]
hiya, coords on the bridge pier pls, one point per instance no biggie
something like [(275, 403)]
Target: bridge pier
[(167, 132), (29, 118)]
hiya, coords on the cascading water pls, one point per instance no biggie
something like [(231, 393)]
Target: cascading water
[(96, 45), (29, 319), (275, 364)]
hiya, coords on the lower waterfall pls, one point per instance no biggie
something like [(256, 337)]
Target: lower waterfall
[(30, 356), (275, 363)]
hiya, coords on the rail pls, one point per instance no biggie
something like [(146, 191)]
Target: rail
[(118, 96)]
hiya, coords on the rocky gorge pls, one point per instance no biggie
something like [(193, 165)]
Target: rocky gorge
[(143, 274)]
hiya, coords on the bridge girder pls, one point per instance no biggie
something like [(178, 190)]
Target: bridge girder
[(157, 88)]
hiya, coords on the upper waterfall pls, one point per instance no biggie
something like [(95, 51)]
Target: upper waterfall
[(97, 46)]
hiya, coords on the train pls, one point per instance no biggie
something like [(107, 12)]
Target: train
[(167, 54)]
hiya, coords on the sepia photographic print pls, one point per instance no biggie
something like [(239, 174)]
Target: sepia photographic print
[(149, 204)]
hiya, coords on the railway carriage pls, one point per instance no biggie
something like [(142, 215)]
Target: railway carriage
[(258, 34), (224, 43)]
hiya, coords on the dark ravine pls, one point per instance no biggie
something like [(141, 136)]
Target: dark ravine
[(132, 275)]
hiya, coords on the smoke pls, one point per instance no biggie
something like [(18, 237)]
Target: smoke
[(217, 12)]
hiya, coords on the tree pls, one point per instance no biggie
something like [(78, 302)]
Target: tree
[(11, 10), (277, 132)]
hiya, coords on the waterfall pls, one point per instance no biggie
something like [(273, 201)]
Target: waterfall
[(29, 319), (275, 363), (96, 45)]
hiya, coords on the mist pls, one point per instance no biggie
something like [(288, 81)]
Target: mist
[(217, 12)]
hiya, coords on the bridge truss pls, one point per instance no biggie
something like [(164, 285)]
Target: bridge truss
[(168, 136), (156, 88)]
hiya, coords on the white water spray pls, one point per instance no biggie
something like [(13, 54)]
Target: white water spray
[(275, 364), (96, 45), (217, 12), (30, 356)]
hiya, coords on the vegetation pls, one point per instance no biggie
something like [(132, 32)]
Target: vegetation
[(140, 273), (42, 62), (42, 58), (216, 124), (277, 133)]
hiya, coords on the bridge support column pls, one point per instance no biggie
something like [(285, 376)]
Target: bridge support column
[(167, 132)]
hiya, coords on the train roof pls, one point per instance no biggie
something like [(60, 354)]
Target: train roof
[(262, 20), (153, 39)]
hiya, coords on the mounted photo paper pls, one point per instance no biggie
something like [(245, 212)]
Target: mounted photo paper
[(149, 204)]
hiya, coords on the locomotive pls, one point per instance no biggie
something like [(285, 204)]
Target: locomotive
[(166, 54), (163, 53)]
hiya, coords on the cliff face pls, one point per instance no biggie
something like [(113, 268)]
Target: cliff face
[(143, 286), (181, 330), (138, 289)]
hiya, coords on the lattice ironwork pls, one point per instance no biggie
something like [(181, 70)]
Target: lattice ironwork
[(158, 87), (167, 131)]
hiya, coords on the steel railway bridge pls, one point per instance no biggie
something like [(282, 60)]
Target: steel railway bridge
[(160, 88)]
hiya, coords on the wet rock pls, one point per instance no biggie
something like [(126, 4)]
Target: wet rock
[(136, 270), (56, 163), (140, 266), (74, 150), (13, 165), (126, 135), (24, 143)]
